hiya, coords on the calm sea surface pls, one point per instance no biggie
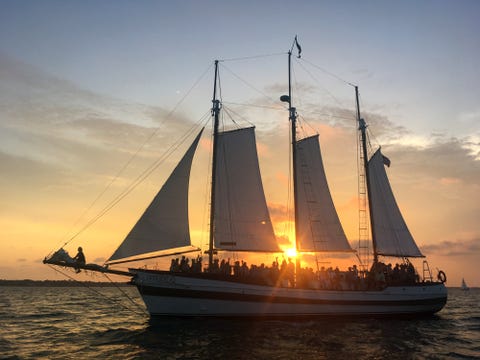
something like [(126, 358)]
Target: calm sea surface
[(78, 323)]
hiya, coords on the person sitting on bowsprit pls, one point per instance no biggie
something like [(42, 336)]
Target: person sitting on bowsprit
[(79, 259)]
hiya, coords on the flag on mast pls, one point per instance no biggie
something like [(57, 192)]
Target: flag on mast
[(386, 161), (299, 48)]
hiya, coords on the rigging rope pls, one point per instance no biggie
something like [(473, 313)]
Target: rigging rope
[(249, 85), (352, 116), (137, 181), (230, 116), (227, 111), (134, 155), (284, 107), (327, 72), (319, 83), (142, 309), (115, 301), (252, 57), (172, 148)]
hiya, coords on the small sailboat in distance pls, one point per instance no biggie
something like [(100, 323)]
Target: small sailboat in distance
[(240, 222), (464, 286)]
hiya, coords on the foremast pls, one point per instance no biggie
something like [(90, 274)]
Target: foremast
[(216, 106)]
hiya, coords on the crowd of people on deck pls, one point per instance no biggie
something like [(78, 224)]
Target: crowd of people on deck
[(187, 266), (283, 274), (268, 275), (379, 276), (401, 274)]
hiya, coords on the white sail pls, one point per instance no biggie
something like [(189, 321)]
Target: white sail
[(319, 228), (164, 224), (242, 221), (391, 232)]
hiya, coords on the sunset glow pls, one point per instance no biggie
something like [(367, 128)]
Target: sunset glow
[(291, 253), (88, 103)]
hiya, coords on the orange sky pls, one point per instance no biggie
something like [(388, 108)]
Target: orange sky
[(435, 184), (79, 93)]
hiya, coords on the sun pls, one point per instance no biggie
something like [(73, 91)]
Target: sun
[(291, 252)]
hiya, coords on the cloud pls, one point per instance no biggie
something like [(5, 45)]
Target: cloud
[(453, 248), (283, 241), (450, 181), (278, 212), (452, 160), (472, 143), (446, 160), (18, 171), (384, 132), (470, 117), (382, 127), (51, 130)]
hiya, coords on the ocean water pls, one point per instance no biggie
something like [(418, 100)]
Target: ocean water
[(104, 323)]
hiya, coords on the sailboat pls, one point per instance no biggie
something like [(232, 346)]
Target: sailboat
[(464, 286), (240, 222)]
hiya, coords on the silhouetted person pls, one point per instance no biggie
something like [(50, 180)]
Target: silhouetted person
[(79, 259)]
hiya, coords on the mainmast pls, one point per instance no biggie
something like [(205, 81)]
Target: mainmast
[(293, 121), (215, 112), (362, 126)]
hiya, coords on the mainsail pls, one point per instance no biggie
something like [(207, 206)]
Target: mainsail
[(242, 221), (391, 232), (164, 224), (318, 223)]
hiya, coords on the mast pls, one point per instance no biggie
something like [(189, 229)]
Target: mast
[(215, 112), (362, 126), (293, 119)]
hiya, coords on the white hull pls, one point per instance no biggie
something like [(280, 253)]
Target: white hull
[(168, 294)]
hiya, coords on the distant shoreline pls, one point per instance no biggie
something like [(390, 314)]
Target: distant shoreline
[(59, 283), (73, 283)]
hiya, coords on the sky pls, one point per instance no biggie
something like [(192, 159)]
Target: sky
[(87, 86)]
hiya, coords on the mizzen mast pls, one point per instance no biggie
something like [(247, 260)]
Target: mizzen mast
[(362, 126)]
